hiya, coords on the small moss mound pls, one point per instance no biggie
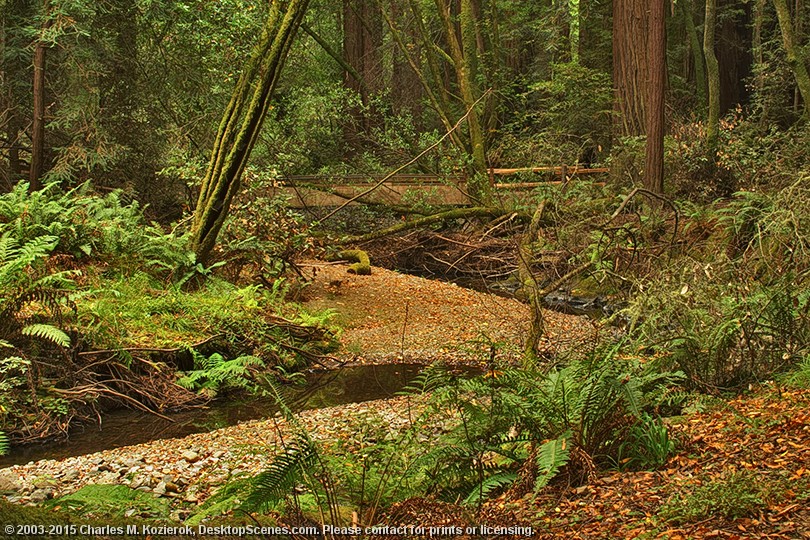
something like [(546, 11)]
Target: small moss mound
[(362, 264)]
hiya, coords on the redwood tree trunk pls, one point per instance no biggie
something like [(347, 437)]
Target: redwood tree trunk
[(38, 126), (630, 65), (362, 43), (657, 58)]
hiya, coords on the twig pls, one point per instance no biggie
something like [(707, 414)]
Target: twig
[(150, 349)]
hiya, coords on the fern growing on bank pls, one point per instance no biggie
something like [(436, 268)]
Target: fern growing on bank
[(214, 374)]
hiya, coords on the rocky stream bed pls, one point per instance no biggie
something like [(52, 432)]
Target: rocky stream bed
[(388, 318)]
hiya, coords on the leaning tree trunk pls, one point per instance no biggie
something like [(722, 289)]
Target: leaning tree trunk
[(794, 56), (241, 124)]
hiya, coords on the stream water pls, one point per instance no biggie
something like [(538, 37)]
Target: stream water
[(322, 389)]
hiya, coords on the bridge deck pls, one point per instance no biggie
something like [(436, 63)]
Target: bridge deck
[(309, 190)]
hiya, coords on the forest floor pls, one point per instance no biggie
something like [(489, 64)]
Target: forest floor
[(393, 317), (741, 470)]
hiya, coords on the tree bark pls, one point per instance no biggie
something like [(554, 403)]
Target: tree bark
[(697, 53), (713, 81), (38, 127), (795, 59), (463, 53), (362, 42), (406, 89), (241, 124), (629, 66), (657, 58), (573, 29)]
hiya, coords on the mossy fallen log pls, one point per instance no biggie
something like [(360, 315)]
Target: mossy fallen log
[(362, 264), (456, 213)]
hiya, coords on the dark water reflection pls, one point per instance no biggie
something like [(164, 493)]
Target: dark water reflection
[(322, 389)]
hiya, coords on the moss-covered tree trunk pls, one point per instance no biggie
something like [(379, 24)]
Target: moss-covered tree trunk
[(464, 54), (697, 53), (241, 123), (713, 80), (794, 55)]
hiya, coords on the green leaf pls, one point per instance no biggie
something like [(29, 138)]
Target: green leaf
[(47, 332)]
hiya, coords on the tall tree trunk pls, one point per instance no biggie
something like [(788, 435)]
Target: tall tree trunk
[(38, 126), (573, 29), (463, 53), (118, 99), (733, 45), (406, 90), (697, 52), (629, 66), (756, 48), (362, 43), (795, 59), (241, 124), (16, 80), (713, 81), (657, 58)]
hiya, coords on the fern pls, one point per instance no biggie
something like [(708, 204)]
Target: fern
[(287, 471), (491, 484), (215, 373), (48, 333), (4, 444), (551, 457)]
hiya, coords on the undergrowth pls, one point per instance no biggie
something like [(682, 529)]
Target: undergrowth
[(95, 312)]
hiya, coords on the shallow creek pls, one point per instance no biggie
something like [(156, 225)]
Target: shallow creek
[(126, 427)]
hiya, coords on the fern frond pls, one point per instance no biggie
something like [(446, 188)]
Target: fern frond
[(47, 332), (4, 444), (493, 483), (551, 457), (286, 471)]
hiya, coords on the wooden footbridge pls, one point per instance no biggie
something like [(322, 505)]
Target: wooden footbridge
[(308, 191)]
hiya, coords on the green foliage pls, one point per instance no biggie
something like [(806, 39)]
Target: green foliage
[(575, 104), (4, 445), (48, 333), (215, 374), (733, 496), (104, 501), (551, 457), (584, 409), (800, 376), (288, 469), (82, 224), (647, 446), (263, 232)]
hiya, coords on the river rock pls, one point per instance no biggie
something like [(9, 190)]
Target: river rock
[(160, 489), (41, 495), (9, 481), (191, 456)]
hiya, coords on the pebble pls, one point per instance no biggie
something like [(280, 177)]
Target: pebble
[(9, 480), (190, 456), (175, 468)]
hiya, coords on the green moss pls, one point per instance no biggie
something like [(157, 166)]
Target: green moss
[(362, 264)]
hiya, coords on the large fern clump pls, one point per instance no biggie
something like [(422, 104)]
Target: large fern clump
[(522, 422)]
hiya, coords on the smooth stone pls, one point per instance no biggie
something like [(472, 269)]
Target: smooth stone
[(9, 481)]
